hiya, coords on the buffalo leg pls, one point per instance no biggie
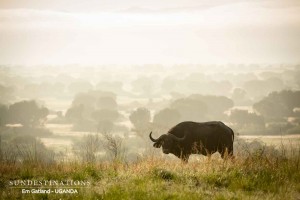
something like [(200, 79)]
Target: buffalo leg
[(185, 158), (227, 152)]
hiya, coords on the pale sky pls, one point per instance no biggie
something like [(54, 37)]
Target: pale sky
[(144, 32)]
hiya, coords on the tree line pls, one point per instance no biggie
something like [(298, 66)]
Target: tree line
[(99, 111)]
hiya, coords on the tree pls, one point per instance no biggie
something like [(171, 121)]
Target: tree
[(3, 115), (278, 104), (105, 114), (113, 145), (26, 149), (167, 117), (80, 86), (87, 147), (91, 98), (114, 86), (27, 113), (85, 116), (216, 105), (256, 88), (107, 103), (105, 126), (190, 109), (244, 118), (239, 95), (105, 119), (6, 93), (85, 99), (259, 88), (169, 83), (296, 78), (140, 118), (75, 113), (207, 86), (143, 85)]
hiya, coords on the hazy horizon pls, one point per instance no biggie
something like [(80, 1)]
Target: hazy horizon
[(141, 32)]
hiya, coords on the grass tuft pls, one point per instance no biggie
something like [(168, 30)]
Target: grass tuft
[(163, 174)]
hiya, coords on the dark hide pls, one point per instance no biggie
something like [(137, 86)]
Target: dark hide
[(204, 138)]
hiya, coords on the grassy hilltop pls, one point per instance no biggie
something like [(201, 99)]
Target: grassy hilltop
[(256, 176)]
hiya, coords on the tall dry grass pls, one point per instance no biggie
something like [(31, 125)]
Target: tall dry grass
[(257, 175)]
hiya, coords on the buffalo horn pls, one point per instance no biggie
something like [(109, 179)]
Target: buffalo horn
[(152, 139)]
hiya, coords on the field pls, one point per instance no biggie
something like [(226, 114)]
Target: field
[(85, 86), (270, 170), (68, 145), (258, 175)]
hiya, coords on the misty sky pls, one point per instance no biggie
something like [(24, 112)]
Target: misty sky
[(143, 32)]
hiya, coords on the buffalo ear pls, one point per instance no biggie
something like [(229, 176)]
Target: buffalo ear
[(157, 144)]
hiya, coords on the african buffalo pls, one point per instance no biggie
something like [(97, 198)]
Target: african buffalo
[(188, 138)]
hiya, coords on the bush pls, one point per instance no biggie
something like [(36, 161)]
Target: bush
[(25, 149)]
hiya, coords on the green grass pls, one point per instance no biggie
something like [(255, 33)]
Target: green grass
[(251, 177)]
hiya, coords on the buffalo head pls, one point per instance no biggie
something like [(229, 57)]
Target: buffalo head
[(167, 141)]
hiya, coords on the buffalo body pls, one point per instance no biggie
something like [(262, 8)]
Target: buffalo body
[(204, 138)]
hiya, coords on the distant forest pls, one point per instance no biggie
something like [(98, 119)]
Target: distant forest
[(253, 99)]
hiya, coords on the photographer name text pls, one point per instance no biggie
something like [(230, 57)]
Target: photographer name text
[(49, 191)]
